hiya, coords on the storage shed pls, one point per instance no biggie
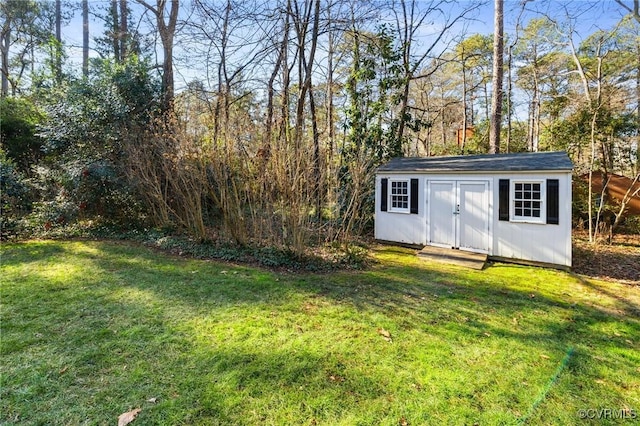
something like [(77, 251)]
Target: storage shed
[(510, 206)]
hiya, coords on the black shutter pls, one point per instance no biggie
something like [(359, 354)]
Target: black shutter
[(383, 194), (503, 199), (553, 201), (414, 196)]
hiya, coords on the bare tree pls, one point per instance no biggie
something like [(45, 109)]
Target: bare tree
[(635, 9), (408, 23), (266, 148), (166, 30)]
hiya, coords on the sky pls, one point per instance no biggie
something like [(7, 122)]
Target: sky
[(593, 15)]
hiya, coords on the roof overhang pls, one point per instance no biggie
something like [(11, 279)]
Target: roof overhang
[(557, 162)]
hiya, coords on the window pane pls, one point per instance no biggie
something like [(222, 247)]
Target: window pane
[(536, 187), (527, 187), (518, 212), (536, 213), (518, 187)]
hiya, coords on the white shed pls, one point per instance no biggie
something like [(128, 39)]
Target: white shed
[(509, 206)]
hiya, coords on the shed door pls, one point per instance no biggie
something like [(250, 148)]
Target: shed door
[(459, 215), (442, 207), (473, 216)]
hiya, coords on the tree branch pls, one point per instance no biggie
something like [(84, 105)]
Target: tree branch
[(635, 11)]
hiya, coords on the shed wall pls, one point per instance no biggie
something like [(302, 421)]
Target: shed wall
[(539, 242)]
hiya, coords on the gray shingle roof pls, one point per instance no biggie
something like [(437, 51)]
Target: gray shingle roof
[(529, 161)]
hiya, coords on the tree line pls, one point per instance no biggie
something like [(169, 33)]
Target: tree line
[(285, 108)]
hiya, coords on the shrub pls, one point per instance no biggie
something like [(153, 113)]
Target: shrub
[(15, 198)]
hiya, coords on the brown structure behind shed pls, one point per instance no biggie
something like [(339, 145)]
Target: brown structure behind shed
[(617, 188)]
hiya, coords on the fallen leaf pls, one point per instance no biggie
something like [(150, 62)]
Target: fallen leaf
[(64, 370), (403, 422), (152, 400), (125, 418), (385, 334), (487, 334), (532, 296), (545, 356)]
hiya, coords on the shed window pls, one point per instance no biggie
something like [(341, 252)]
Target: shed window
[(399, 195), (527, 201)]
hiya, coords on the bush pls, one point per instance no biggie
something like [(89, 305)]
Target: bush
[(15, 198), (21, 145)]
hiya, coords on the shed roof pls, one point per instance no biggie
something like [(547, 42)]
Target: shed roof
[(530, 161)]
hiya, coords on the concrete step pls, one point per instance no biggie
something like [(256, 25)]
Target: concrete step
[(452, 256)]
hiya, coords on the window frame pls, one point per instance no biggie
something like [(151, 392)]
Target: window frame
[(391, 194), (513, 217)]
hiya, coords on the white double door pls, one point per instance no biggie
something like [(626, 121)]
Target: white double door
[(459, 214)]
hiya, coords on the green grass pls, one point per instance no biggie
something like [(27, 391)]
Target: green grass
[(93, 329)]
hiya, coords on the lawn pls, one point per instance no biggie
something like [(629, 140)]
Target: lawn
[(91, 330)]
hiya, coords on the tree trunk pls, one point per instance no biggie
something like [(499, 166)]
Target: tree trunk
[(115, 28), (464, 107), (6, 42), (301, 23), (167, 32), (509, 97), (85, 38), (266, 148), (317, 175), (330, 122), (496, 101), (286, 81), (124, 29), (222, 93), (58, 46)]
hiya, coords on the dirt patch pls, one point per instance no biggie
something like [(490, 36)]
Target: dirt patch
[(618, 261)]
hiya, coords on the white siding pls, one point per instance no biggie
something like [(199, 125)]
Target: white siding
[(401, 227), (538, 242)]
